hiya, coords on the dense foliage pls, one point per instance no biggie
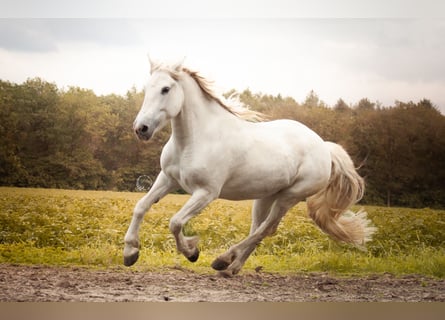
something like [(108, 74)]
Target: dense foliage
[(72, 138)]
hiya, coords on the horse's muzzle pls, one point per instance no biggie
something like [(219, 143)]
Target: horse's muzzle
[(143, 132)]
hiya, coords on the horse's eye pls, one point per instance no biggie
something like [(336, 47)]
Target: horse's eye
[(165, 90)]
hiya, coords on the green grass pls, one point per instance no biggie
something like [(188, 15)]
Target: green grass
[(86, 228)]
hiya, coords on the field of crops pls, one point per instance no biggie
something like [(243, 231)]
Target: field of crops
[(86, 228)]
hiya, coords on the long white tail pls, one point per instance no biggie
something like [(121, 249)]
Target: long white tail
[(329, 207)]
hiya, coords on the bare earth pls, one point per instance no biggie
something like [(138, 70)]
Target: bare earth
[(40, 283)]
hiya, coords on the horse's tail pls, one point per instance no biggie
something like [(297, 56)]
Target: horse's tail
[(329, 207)]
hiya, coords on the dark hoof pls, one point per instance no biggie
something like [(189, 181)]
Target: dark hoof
[(220, 265), (131, 260), (194, 257), (225, 274)]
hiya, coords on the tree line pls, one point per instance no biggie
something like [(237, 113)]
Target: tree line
[(75, 139)]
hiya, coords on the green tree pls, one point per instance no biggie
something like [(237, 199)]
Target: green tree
[(365, 104), (341, 106), (404, 151), (12, 171)]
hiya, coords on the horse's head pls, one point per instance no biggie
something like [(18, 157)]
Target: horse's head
[(163, 101)]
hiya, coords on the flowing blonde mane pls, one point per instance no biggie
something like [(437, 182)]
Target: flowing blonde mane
[(231, 104)]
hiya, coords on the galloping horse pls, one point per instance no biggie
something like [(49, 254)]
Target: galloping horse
[(215, 152)]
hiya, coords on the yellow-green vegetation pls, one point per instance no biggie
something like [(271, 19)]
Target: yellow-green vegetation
[(86, 228)]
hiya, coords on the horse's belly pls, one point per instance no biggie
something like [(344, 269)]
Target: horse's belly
[(257, 184), (250, 191)]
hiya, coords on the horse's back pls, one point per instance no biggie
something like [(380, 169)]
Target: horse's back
[(289, 130)]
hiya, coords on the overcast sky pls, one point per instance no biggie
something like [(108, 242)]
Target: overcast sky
[(381, 58)]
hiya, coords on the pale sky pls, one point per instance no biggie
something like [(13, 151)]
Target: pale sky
[(383, 57)]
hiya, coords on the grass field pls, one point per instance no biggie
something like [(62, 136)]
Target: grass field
[(86, 228)]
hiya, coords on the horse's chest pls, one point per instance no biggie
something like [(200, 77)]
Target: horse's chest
[(187, 170)]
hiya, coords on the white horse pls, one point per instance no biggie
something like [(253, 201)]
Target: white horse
[(213, 152)]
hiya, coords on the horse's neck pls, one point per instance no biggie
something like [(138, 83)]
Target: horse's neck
[(199, 115)]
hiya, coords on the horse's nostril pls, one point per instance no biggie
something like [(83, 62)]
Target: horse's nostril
[(143, 131)]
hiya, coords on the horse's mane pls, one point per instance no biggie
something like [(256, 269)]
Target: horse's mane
[(231, 104)]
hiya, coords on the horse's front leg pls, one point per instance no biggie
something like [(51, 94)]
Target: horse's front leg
[(160, 188), (188, 245)]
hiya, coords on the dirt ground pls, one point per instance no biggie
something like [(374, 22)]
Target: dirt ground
[(40, 283)]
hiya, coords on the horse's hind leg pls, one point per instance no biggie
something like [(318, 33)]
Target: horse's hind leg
[(233, 259), (260, 210)]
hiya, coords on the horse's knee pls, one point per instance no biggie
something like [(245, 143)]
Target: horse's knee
[(175, 226), (139, 211)]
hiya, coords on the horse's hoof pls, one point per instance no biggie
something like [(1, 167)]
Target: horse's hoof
[(131, 260), (220, 264), (225, 274), (194, 257)]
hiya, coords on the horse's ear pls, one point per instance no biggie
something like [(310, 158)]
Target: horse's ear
[(178, 66), (153, 64)]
